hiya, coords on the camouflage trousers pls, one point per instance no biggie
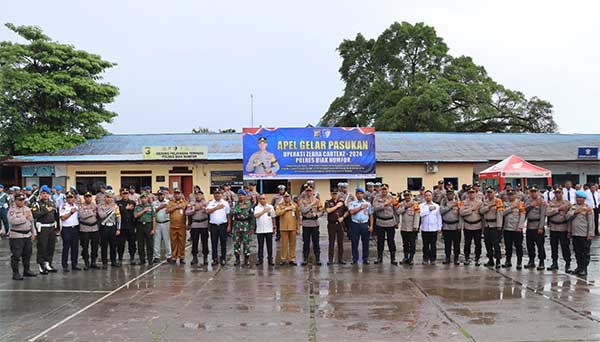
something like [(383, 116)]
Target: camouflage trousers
[(241, 242)]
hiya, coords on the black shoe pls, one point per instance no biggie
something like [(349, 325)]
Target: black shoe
[(366, 262), (114, 264), (530, 264), (582, 273), (432, 262), (93, 265), (118, 264), (498, 265), (467, 262), (394, 262), (133, 262), (293, 263), (553, 267), (341, 262), (456, 262), (28, 273), (477, 262), (541, 266), (318, 263), (182, 261), (329, 263), (75, 268), (104, 266), (259, 262), (490, 263), (446, 261), (142, 262), (223, 262), (507, 265), (270, 263), (354, 262), (519, 267), (304, 263), (171, 261), (567, 268), (156, 260), (378, 261), (205, 260), (215, 263), (575, 271), (194, 260), (86, 265), (410, 262), (17, 276), (66, 269)]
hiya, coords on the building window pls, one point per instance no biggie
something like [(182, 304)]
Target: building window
[(91, 184), (136, 172), (139, 182), (414, 183), (269, 186), (562, 179), (180, 169), (593, 179)]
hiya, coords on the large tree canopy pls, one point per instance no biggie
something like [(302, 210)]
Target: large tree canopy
[(405, 80), (51, 95)]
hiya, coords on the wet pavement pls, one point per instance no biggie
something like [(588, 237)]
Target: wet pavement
[(335, 303)]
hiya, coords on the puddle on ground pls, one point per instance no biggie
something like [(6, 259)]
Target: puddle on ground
[(477, 317), (478, 294)]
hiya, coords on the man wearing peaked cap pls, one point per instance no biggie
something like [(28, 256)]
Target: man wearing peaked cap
[(69, 222), (314, 190), (369, 192), (409, 211), (275, 201), (557, 223), (386, 222), (472, 223), (493, 213), (310, 209), (89, 233), (262, 162), (22, 232), (581, 217), (535, 208)]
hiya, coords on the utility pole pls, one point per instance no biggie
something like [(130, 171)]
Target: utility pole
[(251, 110)]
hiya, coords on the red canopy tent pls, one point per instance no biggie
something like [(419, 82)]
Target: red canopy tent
[(515, 167)]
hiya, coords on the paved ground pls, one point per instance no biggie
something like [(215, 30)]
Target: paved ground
[(339, 303)]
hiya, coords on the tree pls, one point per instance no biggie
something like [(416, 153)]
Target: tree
[(405, 80), (51, 94)]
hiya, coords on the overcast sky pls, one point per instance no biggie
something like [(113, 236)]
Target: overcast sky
[(184, 64)]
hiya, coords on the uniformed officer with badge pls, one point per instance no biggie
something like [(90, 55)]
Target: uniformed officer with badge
[(262, 161), (22, 232), (46, 215), (492, 211), (581, 230), (559, 226)]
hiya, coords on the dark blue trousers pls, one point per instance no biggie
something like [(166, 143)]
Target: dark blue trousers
[(70, 237), (360, 232)]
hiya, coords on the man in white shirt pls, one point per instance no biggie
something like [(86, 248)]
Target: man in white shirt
[(569, 192), (265, 227), (431, 224), (220, 225), (69, 222), (593, 201)]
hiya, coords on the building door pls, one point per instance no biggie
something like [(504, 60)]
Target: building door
[(183, 183)]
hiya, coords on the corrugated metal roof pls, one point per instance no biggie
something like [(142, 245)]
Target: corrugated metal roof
[(391, 147)]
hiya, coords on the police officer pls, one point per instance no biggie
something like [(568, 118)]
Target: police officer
[(276, 200), (199, 226), (439, 192), (347, 198), (4, 204), (386, 222), (22, 232), (310, 210), (558, 224), (513, 224), (449, 208), (100, 195), (145, 217), (581, 230), (409, 211), (127, 227), (471, 220), (262, 161), (110, 228), (69, 223), (45, 215), (89, 235), (493, 213), (361, 213), (370, 191), (535, 208)]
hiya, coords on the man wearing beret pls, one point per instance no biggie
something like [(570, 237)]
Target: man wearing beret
[(361, 213)]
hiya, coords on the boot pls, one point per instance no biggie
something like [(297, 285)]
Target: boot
[(246, 260), (42, 269), (446, 260), (15, 269), (237, 260), (271, 262), (28, 273), (530, 264), (519, 263), (541, 266), (86, 265), (553, 267), (194, 260), (498, 264), (567, 267)]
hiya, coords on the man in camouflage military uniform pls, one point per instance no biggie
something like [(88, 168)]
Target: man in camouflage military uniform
[(386, 223), (493, 213), (449, 208), (535, 208), (513, 223), (22, 232), (559, 226), (262, 161), (243, 225), (471, 221), (409, 210), (145, 217), (45, 214), (581, 230)]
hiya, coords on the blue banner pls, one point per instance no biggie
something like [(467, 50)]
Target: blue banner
[(299, 153), (587, 153)]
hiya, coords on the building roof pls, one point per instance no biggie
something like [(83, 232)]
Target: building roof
[(390, 146)]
